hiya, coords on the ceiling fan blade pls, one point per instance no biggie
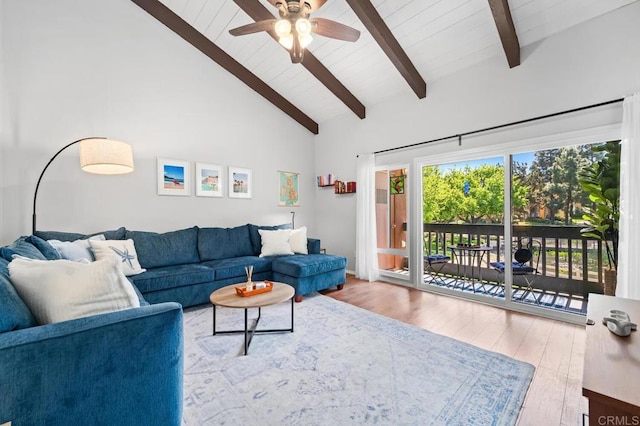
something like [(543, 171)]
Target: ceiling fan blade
[(333, 29), (254, 27), (315, 4)]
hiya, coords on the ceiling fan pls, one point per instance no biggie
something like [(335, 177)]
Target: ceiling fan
[(294, 27)]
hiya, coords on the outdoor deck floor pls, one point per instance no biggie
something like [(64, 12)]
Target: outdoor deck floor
[(573, 303)]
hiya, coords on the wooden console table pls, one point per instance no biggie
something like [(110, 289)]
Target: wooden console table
[(611, 365)]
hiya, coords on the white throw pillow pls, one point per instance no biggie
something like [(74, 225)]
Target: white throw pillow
[(298, 240), (123, 250), (275, 242), (61, 290), (78, 250)]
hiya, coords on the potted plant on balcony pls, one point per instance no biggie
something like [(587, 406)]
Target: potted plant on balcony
[(601, 180)]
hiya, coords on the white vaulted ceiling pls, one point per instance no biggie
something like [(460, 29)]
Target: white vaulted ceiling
[(439, 36)]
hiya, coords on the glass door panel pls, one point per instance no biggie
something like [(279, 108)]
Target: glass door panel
[(559, 265), (463, 231), (391, 221)]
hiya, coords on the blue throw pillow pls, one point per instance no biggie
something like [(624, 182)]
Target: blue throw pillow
[(256, 240), (224, 243), (47, 250), (14, 314), (21, 247), (171, 248)]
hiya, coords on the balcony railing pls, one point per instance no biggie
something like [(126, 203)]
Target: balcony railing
[(568, 262)]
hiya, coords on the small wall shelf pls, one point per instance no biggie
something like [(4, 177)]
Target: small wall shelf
[(326, 180), (344, 187)]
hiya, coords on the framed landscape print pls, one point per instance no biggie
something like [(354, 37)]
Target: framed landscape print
[(288, 189), (209, 180), (240, 184), (174, 177)]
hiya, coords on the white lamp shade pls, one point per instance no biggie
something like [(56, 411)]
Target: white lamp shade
[(105, 156)]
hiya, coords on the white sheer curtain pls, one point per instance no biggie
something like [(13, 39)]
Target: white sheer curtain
[(629, 254), (366, 243)]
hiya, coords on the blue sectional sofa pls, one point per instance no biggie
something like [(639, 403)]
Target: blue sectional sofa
[(125, 367), (187, 265)]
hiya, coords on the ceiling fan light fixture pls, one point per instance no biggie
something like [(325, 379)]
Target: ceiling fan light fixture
[(286, 41), (305, 40), (283, 28), (303, 27)]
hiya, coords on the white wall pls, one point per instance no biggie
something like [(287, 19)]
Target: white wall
[(78, 68), (594, 62)]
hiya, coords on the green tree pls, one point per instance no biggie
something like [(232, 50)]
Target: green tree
[(563, 187)]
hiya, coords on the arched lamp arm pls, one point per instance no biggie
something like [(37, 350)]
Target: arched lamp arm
[(35, 195)]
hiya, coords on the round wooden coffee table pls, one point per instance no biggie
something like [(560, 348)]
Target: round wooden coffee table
[(227, 297)]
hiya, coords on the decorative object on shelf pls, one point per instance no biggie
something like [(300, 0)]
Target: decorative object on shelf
[(619, 323), (294, 27), (97, 155), (328, 180), (239, 183), (397, 184), (256, 288), (288, 189), (209, 180), (174, 177), (344, 187)]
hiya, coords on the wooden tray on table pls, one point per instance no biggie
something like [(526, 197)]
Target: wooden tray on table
[(242, 290)]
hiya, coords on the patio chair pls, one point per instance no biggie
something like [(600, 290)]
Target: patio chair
[(523, 265), (433, 265)]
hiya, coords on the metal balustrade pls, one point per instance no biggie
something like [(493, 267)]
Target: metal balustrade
[(569, 263)]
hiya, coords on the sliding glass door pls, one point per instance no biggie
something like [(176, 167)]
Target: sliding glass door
[(539, 257)]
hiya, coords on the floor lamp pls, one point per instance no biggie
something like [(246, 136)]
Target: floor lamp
[(97, 155)]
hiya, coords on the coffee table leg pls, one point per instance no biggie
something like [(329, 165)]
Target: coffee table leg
[(246, 332), (292, 314), (214, 320)]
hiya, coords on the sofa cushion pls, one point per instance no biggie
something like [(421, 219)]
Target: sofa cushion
[(21, 247), (47, 250), (61, 290), (254, 235), (224, 243), (234, 268), (14, 314), (116, 234), (307, 265), (172, 276), (168, 249)]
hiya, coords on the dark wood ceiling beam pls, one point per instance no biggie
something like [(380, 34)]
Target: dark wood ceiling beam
[(374, 23), (206, 46), (506, 30), (258, 12)]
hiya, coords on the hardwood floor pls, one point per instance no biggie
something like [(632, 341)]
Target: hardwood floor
[(555, 348)]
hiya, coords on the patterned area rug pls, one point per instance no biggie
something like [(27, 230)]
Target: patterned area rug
[(342, 365)]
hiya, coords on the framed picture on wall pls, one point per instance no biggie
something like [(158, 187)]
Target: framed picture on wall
[(209, 180), (174, 177), (240, 183), (288, 182)]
